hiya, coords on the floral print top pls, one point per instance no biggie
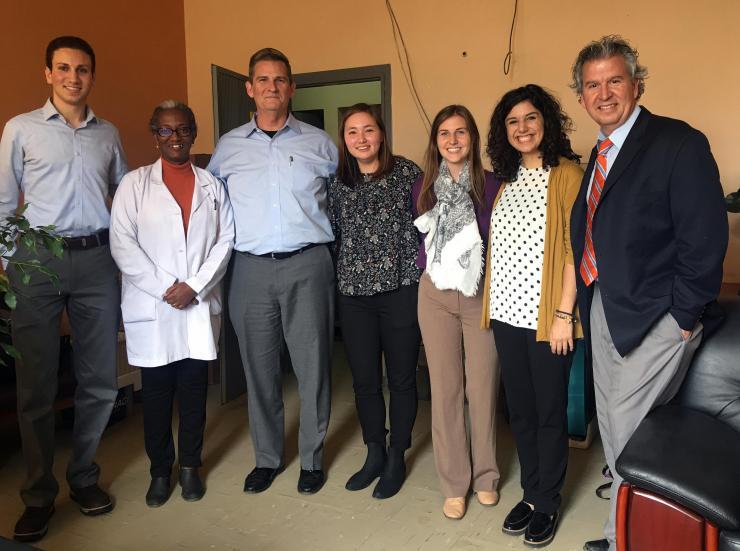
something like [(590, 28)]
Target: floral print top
[(376, 242)]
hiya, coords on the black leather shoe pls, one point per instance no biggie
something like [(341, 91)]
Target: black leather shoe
[(596, 545), (192, 486), (517, 520), (33, 524), (260, 479), (310, 482), (541, 529), (158, 492), (92, 500)]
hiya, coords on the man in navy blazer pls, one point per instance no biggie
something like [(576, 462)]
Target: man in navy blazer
[(649, 234)]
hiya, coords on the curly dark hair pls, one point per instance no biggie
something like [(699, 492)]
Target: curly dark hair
[(555, 143)]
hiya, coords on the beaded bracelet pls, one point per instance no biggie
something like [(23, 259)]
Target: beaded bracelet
[(570, 318)]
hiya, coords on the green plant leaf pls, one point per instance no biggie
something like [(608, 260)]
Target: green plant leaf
[(11, 350), (11, 300), (56, 247)]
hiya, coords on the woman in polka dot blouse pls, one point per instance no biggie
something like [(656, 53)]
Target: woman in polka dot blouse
[(530, 294)]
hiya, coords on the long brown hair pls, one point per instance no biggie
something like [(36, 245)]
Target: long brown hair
[(432, 158), (348, 171)]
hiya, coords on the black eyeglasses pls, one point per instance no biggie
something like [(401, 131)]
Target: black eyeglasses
[(182, 131)]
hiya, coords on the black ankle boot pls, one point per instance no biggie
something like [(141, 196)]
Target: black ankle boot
[(371, 470), (393, 475), (192, 486), (159, 491)]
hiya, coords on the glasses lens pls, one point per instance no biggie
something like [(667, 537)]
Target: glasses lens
[(182, 131)]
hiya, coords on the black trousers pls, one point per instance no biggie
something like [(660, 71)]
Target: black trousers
[(384, 324), (536, 385), (188, 379)]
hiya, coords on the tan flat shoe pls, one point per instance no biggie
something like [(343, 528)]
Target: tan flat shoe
[(454, 508), (487, 499)]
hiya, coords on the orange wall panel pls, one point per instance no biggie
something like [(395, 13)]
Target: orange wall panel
[(139, 48)]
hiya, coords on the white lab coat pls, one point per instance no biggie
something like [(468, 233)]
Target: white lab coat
[(148, 242)]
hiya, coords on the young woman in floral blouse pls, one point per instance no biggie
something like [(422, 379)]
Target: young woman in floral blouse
[(377, 278)]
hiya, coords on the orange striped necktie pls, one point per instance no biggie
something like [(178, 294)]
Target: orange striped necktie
[(589, 272)]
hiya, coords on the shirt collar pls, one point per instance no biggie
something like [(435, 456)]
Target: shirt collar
[(291, 123), (50, 111), (619, 135)]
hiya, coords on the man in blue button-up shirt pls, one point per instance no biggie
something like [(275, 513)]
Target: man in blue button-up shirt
[(275, 169), (66, 162)]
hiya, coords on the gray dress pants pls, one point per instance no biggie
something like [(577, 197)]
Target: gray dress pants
[(628, 388), (88, 286), (291, 298)]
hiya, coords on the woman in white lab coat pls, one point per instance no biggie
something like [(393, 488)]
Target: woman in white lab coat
[(171, 234)]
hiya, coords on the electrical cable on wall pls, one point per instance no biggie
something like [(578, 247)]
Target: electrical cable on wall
[(507, 59), (406, 68)]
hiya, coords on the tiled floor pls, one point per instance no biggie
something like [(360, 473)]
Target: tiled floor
[(280, 518)]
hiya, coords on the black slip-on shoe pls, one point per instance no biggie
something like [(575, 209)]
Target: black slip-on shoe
[(158, 492), (192, 485), (33, 524), (92, 500), (517, 520), (541, 529)]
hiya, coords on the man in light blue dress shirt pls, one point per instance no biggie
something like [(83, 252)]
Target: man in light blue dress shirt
[(275, 168), (66, 162)]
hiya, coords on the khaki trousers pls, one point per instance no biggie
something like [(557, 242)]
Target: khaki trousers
[(447, 319)]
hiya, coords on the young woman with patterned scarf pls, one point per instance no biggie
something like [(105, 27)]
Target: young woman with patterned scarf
[(453, 201)]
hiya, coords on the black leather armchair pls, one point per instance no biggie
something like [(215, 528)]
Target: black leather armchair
[(682, 465)]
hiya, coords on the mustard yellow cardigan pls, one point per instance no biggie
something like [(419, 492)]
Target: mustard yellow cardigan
[(563, 185)]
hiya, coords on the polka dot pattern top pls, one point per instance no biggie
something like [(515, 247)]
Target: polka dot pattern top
[(517, 248)]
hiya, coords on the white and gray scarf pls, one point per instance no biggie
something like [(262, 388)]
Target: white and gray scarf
[(453, 243)]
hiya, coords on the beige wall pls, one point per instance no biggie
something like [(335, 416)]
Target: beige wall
[(139, 48), (688, 47)]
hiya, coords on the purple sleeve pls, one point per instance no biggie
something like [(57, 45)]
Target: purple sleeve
[(421, 259), (483, 212)]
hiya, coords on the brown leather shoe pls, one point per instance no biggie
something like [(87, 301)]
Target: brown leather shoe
[(454, 508), (487, 499)]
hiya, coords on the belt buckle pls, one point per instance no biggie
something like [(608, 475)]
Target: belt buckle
[(272, 255), (84, 242)]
